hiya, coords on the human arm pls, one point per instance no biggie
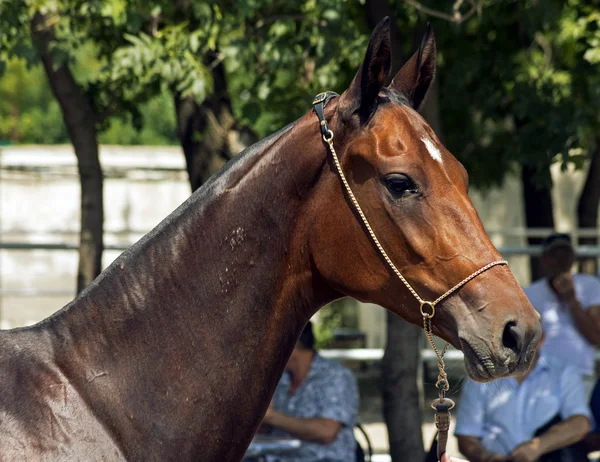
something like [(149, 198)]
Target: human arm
[(585, 320), (472, 449), (586, 324), (318, 430), (559, 436), (594, 313), (337, 406), (470, 424), (575, 424)]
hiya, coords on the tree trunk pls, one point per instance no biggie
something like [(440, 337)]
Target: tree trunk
[(587, 208), (538, 209), (80, 119), (376, 11), (401, 394), (198, 144), (208, 132)]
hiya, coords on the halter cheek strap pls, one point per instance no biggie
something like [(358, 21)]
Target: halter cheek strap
[(443, 405), (319, 104)]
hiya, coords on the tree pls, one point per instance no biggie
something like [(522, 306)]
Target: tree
[(53, 33), (257, 67), (582, 29)]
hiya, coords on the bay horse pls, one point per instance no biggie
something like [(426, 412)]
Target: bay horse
[(174, 351)]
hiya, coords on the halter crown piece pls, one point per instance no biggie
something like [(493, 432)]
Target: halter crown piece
[(442, 405)]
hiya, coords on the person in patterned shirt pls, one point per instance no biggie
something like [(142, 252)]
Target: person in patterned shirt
[(316, 401)]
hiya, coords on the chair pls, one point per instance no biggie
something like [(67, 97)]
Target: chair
[(361, 456)]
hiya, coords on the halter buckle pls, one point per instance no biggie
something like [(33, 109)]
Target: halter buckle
[(319, 98), (431, 306)]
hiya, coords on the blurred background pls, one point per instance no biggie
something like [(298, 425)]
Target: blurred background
[(113, 111)]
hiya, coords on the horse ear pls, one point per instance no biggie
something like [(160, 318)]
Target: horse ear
[(361, 95), (416, 75)]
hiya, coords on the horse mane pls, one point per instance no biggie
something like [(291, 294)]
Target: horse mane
[(394, 96)]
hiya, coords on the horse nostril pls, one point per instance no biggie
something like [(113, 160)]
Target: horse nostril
[(511, 338)]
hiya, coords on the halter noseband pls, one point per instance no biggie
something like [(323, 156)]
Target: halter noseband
[(443, 405)]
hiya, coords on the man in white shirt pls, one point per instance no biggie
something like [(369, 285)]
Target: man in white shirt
[(520, 419), (569, 305)]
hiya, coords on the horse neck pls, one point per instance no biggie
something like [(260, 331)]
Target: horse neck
[(216, 295)]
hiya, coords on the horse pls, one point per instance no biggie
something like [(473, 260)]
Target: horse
[(174, 351)]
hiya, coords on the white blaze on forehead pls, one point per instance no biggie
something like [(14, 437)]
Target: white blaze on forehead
[(433, 151)]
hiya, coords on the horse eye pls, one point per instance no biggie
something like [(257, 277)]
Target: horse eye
[(399, 184)]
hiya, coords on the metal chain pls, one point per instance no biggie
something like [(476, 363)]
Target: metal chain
[(442, 380)]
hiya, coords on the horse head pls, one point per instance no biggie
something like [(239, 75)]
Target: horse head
[(414, 193)]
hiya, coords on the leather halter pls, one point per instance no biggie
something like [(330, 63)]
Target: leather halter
[(443, 405)]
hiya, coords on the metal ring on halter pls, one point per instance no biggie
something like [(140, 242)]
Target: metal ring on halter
[(330, 133), (439, 401), (429, 304)]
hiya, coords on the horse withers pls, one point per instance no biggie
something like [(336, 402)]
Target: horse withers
[(174, 351)]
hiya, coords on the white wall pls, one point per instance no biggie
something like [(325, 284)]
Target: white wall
[(39, 202)]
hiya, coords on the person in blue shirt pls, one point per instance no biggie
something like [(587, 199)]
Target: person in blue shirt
[(315, 401), (569, 304), (501, 421)]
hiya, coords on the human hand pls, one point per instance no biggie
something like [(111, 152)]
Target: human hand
[(563, 285), (529, 451)]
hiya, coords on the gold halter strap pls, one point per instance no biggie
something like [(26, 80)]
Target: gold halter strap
[(443, 405)]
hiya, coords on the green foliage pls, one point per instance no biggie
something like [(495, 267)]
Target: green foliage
[(170, 57), (15, 39), (520, 86), (330, 318), (95, 38), (123, 53), (294, 51), (519, 81), (28, 111), (30, 114), (158, 125), (277, 56), (341, 313)]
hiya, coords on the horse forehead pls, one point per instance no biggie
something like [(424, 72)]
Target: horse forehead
[(401, 126)]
